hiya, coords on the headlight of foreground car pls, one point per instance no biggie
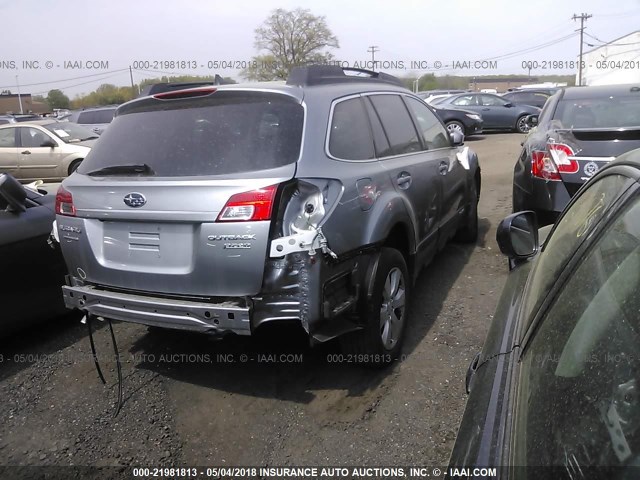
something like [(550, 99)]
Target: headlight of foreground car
[(473, 116)]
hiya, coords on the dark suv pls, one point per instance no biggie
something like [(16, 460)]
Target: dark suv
[(222, 208)]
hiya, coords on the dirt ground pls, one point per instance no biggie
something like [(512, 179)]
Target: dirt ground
[(268, 400)]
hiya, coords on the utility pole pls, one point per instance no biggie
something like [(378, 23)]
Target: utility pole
[(133, 88), (372, 50), (582, 18), (19, 97)]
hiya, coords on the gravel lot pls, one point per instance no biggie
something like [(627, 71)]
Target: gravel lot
[(190, 400)]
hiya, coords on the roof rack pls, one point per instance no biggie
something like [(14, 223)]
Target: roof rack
[(328, 74)]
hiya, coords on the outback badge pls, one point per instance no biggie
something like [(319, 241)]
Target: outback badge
[(134, 200)]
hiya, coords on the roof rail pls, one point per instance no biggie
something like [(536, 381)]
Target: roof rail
[(328, 74)]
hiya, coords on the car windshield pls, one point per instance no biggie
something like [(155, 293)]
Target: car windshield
[(70, 132), (611, 111)]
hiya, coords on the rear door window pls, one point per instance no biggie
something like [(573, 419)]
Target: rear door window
[(397, 123), (227, 132)]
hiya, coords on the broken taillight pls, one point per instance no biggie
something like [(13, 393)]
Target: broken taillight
[(550, 164), (250, 206), (64, 203)]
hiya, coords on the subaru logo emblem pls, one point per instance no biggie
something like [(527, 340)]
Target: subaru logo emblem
[(134, 200)]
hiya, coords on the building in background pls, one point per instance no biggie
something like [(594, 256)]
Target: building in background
[(613, 63), (10, 103), (500, 84)]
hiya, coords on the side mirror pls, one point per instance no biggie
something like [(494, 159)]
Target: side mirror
[(48, 143), (13, 193), (517, 236), (508, 105), (457, 138)]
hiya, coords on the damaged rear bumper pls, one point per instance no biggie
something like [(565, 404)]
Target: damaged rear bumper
[(196, 316)]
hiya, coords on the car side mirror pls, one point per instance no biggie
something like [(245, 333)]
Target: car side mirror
[(48, 143), (508, 105), (457, 138), (517, 236), (13, 193)]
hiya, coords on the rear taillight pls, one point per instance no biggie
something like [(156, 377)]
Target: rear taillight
[(64, 203), (249, 206), (550, 164)]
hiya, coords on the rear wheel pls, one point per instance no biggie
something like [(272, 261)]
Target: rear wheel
[(74, 165), (468, 233), (521, 124), (384, 316), (455, 126)]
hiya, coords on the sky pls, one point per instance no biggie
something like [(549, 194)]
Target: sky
[(76, 45)]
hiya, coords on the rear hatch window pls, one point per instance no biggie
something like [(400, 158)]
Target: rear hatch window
[(226, 132), (611, 111)]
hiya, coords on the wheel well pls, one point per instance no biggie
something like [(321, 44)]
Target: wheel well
[(477, 179), (74, 162), (398, 238)]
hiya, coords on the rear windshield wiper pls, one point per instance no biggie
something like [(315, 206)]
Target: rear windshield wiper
[(143, 169)]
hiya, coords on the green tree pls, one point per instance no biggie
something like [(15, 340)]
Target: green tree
[(290, 38), (57, 99)]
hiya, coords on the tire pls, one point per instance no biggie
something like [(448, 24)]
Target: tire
[(468, 233), (454, 126), (379, 342), (521, 125), (74, 165)]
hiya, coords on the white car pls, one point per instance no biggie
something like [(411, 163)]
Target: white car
[(43, 149)]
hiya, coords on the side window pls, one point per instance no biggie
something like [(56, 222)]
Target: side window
[(492, 101), (8, 138), (379, 136), (433, 133), (103, 116), (467, 100), (582, 367), (32, 138), (350, 134), (397, 123), (570, 231), (539, 97), (547, 110), (86, 118)]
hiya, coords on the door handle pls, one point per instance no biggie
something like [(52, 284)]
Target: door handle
[(26, 152), (404, 180), (485, 109), (443, 168)]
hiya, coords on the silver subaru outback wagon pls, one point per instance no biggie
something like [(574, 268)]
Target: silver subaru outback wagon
[(222, 208)]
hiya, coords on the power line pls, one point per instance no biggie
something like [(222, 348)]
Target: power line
[(582, 18), (613, 43), (79, 84), (68, 79)]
